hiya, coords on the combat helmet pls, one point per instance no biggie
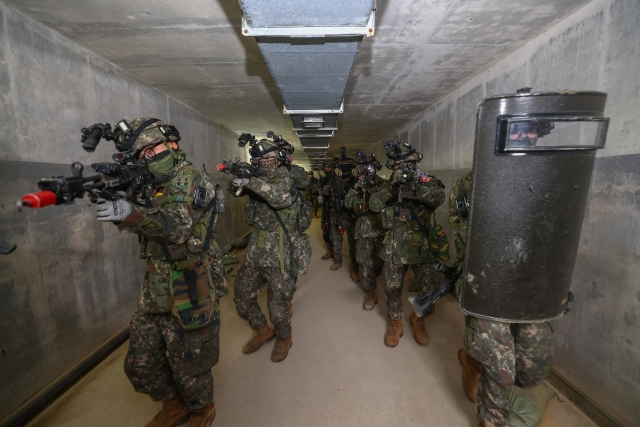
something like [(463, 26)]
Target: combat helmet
[(368, 165), (345, 163), (146, 131), (400, 152)]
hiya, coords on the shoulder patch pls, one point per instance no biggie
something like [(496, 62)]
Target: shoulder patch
[(183, 181)]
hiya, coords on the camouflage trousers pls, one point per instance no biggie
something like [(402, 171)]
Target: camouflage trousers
[(368, 255), (425, 280), (164, 359), (280, 288), (511, 353), (340, 219), (316, 204)]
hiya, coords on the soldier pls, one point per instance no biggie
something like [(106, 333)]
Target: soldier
[(341, 219), (315, 193), (174, 337), (406, 202), (271, 208), (368, 231), (328, 167)]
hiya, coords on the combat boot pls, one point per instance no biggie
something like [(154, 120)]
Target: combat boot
[(328, 255), (203, 418), (263, 335), (392, 337), (355, 276), (419, 331), (281, 349), (173, 410), (336, 265), (370, 300), (471, 371)]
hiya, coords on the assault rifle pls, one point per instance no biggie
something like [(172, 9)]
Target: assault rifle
[(236, 168), (423, 304), (112, 179)]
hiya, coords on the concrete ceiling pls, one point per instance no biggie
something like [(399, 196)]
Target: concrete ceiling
[(193, 50)]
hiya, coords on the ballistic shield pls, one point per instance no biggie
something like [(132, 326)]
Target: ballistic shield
[(534, 155)]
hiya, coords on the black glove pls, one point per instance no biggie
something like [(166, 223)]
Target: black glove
[(246, 173)]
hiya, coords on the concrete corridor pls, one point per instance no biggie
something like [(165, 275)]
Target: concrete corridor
[(338, 372)]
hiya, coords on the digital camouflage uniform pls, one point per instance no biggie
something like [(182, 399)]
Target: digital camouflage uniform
[(368, 232), (315, 192), (300, 177), (163, 358), (267, 256), (510, 353), (407, 243), (341, 219), (325, 222)]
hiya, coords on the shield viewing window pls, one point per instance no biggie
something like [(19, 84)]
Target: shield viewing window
[(531, 134)]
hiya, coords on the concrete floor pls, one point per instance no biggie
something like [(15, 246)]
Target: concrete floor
[(338, 372)]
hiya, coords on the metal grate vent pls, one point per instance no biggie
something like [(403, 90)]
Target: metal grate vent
[(310, 49)]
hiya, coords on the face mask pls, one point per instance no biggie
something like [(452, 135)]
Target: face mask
[(162, 164), (266, 168)]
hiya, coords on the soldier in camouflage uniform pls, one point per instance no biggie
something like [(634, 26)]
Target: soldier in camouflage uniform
[(266, 260), (328, 167), (315, 192), (406, 202), (498, 355), (171, 354), (368, 231), (342, 220)]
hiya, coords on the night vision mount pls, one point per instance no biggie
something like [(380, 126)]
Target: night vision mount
[(395, 150), (123, 136)]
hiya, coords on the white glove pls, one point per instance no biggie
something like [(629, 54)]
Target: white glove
[(240, 182), (115, 211)]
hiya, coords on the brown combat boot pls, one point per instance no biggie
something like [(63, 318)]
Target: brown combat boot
[(419, 331), (281, 349), (173, 410), (370, 300), (263, 335), (203, 418), (471, 371), (355, 276), (328, 255), (392, 337), (336, 265)]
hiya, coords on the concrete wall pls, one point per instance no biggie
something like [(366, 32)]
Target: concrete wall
[(596, 48), (73, 282)]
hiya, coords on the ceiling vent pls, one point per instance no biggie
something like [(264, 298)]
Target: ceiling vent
[(310, 49)]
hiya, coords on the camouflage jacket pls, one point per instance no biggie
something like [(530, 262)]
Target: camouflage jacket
[(368, 221), (459, 224), (268, 245), (300, 176), (406, 241), (315, 187), (172, 226), (340, 186)]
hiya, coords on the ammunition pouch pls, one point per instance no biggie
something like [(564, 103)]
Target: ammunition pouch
[(250, 211), (192, 296), (388, 218)]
